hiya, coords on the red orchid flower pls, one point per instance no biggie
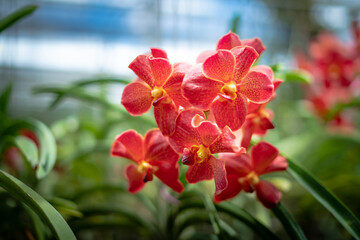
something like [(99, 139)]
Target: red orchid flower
[(225, 82), (152, 155), (159, 84), (229, 41), (258, 119), (244, 171), (197, 140)]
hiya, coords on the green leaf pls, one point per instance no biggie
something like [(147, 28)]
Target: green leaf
[(5, 98), (235, 22), (290, 225), (47, 144), (243, 216), (326, 198), (38, 204), (28, 148), (300, 76), (16, 16)]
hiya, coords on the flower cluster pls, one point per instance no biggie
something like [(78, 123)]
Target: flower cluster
[(335, 67), (206, 113)]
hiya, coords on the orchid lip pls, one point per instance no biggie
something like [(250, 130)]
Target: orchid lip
[(143, 166), (157, 93), (252, 177), (229, 89), (202, 153)]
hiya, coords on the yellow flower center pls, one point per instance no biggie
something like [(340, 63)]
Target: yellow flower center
[(230, 89), (143, 167), (157, 92), (202, 153), (253, 178)]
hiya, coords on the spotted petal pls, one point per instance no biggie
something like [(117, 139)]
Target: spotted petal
[(245, 58), (256, 43), (158, 53), (142, 69), (220, 66), (228, 41), (136, 98), (231, 113), (165, 113), (225, 142), (173, 84), (218, 168), (199, 172), (204, 55), (257, 87), (185, 135), (161, 70), (200, 90)]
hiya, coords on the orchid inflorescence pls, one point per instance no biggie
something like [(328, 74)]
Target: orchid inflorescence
[(335, 67), (212, 107)]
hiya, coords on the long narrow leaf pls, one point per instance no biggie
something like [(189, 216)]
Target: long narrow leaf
[(16, 16), (326, 198), (38, 204), (5, 98), (290, 225), (213, 215)]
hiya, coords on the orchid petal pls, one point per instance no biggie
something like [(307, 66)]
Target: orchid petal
[(218, 169), (257, 87), (231, 113), (158, 149), (185, 135), (158, 53), (238, 164), (228, 41), (224, 142), (161, 70), (165, 113), (220, 66), (262, 155), (136, 98), (200, 90), (129, 145), (278, 164), (199, 172), (267, 194), (204, 55), (142, 69), (168, 173), (264, 69), (233, 189), (245, 58), (135, 178), (256, 43), (207, 131), (173, 85)]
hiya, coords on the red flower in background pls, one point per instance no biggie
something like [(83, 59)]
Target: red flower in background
[(225, 82), (334, 66), (197, 140), (152, 155), (244, 171), (159, 84)]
